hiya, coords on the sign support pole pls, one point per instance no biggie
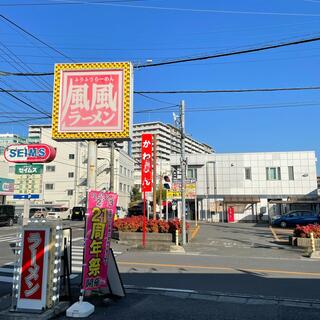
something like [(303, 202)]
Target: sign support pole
[(144, 221), (196, 210), (167, 209), (154, 177), (183, 174), (26, 211), (92, 165)]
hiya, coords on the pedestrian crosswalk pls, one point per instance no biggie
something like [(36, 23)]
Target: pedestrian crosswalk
[(6, 270), (10, 238)]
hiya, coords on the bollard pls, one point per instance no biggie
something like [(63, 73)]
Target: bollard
[(313, 245), (177, 237)]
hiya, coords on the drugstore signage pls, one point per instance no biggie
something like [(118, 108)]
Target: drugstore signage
[(29, 153)]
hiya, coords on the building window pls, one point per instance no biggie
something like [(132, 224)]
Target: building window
[(70, 174), (121, 169), (273, 173), (192, 173), (49, 186), (247, 173), (291, 173), (50, 168), (70, 192), (120, 186), (71, 156), (128, 188)]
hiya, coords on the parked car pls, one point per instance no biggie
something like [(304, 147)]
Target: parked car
[(7, 216), (137, 210), (62, 213), (38, 212), (292, 218), (78, 213)]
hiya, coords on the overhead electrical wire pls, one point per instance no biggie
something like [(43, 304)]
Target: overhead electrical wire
[(24, 102), (232, 53), (115, 4), (35, 37), (197, 91), (64, 3), (189, 59)]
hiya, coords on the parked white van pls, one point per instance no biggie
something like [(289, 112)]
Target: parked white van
[(62, 213)]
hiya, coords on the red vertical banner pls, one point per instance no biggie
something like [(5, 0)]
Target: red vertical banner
[(146, 163), (101, 210), (146, 175)]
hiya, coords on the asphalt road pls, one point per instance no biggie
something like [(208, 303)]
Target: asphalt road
[(243, 259)]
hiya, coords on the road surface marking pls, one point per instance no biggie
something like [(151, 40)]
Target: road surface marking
[(274, 234), (195, 232), (6, 279), (127, 263)]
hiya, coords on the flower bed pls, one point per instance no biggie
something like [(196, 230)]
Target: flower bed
[(160, 234), (302, 234), (135, 224), (305, 231)]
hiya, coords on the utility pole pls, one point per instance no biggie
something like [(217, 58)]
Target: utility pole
[(111, 166), (183, 173), (154, 177)]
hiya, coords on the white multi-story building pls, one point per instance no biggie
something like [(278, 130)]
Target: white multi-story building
[(168, 143), (64, 179), (252, 183), (9, 138)]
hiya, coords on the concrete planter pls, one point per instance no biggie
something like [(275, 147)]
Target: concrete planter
[(303, 242), (154, 241)]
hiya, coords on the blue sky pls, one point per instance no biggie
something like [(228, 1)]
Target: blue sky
[(161, 29)]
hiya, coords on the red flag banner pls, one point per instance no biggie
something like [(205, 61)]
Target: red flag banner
[(146, 163)]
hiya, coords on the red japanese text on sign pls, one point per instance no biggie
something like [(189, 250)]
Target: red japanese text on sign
[(91, 101), (146, 163), (32, 265)]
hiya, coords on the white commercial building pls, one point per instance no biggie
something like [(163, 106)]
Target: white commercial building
[(64, 180), (255, 185)]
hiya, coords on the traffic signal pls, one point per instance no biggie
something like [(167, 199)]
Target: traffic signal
[(166, 182)]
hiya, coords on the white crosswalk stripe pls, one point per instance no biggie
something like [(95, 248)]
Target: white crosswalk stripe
[(9, 238), (6, 270)]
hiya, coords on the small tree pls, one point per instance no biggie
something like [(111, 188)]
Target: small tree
[(135, 194)]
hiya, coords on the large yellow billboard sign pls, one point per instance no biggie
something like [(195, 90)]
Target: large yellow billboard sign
[(92, 101)]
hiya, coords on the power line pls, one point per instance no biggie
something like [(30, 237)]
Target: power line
[(64, 3), (199, 91), (23, 120), (24, 102), (198, 58), (228, 90), (36, 38), (243, 107), (232, 53), (153, 99)]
